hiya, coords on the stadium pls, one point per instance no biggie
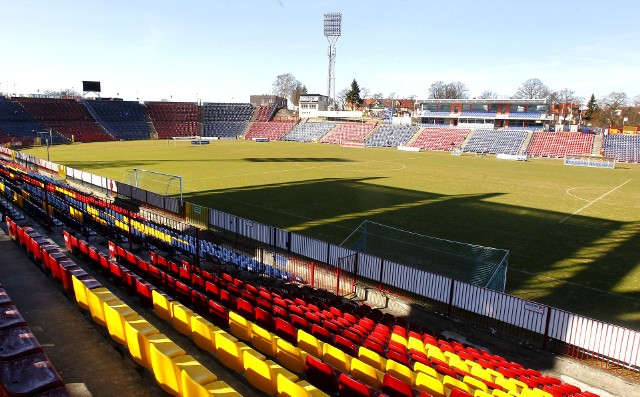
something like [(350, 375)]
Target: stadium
[(406, 247)]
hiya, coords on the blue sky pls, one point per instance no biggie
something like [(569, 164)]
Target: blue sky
[(226, 50)]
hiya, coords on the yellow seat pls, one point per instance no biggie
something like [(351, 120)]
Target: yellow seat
[(202, 333), (400, 339), (451, 356), (366, 373), (430, 385), (181, 318), (372, 358), (425, 369), (115, 313), (452, 383), (263, 340), (219, 388), (230, 352), (97, 297), (164, 353), (434, 352), (481, 373), (193, 378), (414, 343), (137, 331), (500, 393), (239, 326), (475, 384), (494, 374), (161, 305), (336, 358), (310, 344), (400, 371), (480, 393), (288, 388), (534, 393), (472, 365), (263, 374), (291, 357), (510, 384), (80, 291)]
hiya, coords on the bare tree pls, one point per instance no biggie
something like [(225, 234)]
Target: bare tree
[(611, 109), (364, 92), (636, 100), (341, 97), (378, 96), (295, 96), (285, 85), (453, 90), (66, 92), (488, 94), (532, 89)]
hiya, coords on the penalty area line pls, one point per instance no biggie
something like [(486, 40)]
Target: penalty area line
[(594, 201)]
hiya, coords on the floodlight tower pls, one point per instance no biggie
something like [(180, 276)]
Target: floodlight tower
[(332, 26)]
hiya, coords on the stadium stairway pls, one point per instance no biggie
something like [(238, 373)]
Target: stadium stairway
[(597, 145), (467, 139), (525, 144), (415, 136)]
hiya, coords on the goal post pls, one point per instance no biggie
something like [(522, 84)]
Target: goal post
[(590, 161), (155, 181)]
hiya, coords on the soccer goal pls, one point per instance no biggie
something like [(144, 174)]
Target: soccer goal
[(590, 161), (154, 181), (473, 264)]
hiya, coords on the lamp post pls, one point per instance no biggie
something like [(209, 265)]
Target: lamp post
[(48, 140)]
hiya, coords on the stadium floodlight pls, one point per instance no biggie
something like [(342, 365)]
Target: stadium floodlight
[(332, 30)]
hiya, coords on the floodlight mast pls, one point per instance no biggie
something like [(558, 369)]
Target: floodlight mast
[(332, 30)]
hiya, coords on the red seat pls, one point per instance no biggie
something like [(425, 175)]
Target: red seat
[(348, 386), (286, 330), (245, 309), (321, 375), (459, 393), (394, 387), (397, 356), (321, 333), (280, 312), (345, 345), (300, 323), (17, 342), (264, 319), (143, 291), (219, 314), (200, 301), (211, 290), (352, 336)]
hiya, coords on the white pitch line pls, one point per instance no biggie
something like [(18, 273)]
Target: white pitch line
[(594, 201)]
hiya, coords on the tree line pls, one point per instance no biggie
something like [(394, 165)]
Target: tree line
[(615, 108)]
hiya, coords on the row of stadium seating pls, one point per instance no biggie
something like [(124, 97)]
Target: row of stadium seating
[(348, 132), (17, 124), (559, 144), (174, 118), (388, 135), (355, 347), (309, 132), (496, 141), (440, 138), (622, 147), (272, 130)]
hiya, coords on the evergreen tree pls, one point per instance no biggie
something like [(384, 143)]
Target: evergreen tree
[(591, 107), (353, 96)]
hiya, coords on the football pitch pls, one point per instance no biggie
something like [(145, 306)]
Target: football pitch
[(573, 232)]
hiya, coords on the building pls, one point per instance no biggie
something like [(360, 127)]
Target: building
[(485, 113), (311, 104)]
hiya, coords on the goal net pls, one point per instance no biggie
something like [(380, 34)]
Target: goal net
[(153, 181), (590, 161), (473, 264)]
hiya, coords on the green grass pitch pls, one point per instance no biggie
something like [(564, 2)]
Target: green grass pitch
[(573, 232)]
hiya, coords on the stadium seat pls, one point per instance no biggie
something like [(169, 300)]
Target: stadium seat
[(137, 332), (321, 375), (290, 356), (310, 344), (366, 373), (203, 333), (116, 312), (163, 354), (230, 352), (263, 374), (431, 385)]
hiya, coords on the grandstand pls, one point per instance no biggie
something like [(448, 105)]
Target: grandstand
[(225, 120), (440, 138), (277, 337), (66, 116), (391, 135), (496, 141), (272, 130), (124, 120), (622, 147), (345, 133), (309, 131), (172, 119), (559, 144), (20, 128)]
